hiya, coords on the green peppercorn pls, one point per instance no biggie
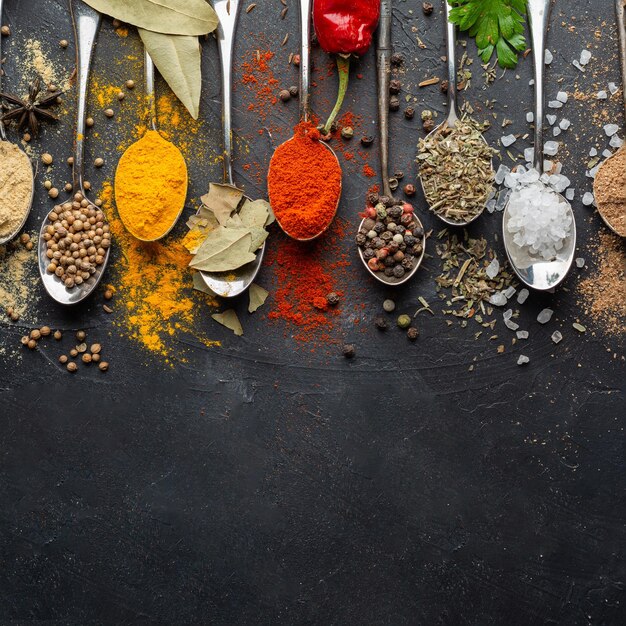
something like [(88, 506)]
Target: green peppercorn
[(347, 132), (404, 321)]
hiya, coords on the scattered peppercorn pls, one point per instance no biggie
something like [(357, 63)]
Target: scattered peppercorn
[(367, 140), (293, 91), (444, 86), (296, 60), (284, 95), (428, 8), (428, 125), (347, 132), (394, 86), (404, 321), (381, 322), (412, 333), (397, 59), (394, 103), (332, 298), (348, 350), (409, 113), (409, 189)]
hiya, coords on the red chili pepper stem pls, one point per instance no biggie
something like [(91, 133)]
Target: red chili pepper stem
[(343, 67)]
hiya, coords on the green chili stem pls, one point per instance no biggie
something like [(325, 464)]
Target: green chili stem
[(343, 66)]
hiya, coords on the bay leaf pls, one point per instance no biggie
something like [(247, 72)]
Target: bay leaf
[(259, 235), (222, 200), (172, 17), (255, 213), (224, 250), (258, 295), (200, 285), (177, 57), (230, 320)]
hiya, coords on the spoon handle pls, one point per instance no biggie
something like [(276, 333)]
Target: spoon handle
[(86, 25), (383, 61), (148, 70), (453, 114), (538, 17), (305, 58), (228, 12), (620, 7), (3, 135)]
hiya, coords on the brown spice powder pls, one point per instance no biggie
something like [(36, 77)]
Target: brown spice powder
[(610, 191), (602, 296)]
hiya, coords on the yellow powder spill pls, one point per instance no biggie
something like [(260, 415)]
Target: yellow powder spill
[(153, 287)]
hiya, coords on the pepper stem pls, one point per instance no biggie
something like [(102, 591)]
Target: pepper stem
[(343, 67)]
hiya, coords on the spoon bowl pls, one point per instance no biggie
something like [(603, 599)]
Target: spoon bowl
[(535, 272), (86, 23), (229, 284)]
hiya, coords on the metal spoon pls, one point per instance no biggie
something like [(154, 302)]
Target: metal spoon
[(305, 80), (153, 125), (86, 25), (453, 114), (620, 9), (3, 137), (532, 271), (383, 59), (230, 284)]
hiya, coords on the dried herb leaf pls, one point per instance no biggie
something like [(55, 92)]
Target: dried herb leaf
[(200, 285), (177, 57), (223, 250), (258, 295), (256, 213), (173, 17), (222, 200), (259, 235), (230, 320)]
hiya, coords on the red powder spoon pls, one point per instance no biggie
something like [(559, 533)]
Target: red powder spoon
[(291, 177)]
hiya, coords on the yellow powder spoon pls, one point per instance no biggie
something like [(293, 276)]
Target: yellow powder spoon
[(151, 178)]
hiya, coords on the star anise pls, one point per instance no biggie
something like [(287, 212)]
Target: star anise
[(30, 111)]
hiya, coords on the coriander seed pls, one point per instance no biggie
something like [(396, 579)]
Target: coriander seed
[(98, 162), (73, 352), (108, 294), (121, 95), (32, 344), (45, 331), (80, 335), (46, 158), (70, 160), (35, 334), (53, 192), (104, 366), (58, 335), (86, 358), (109, 112), (64, 43), (89, 122), (25, 339), (71, 367), (130, 84), (63, 359), (47, 185), (95, 358), (5, 31), (95, 348)]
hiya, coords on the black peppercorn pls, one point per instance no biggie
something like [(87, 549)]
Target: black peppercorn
[(409, 240), (293, 91), (412, 333), (368, 254), (361, 239), (372, 198), (417, 249), (332, 298), (395, 212), (394, 103), (418, 231), (407, 262), (389, 272), (428, 125), (368, 224), (397, 59), (388, 201), (428, 8), (381, 323), (379, 228), (409, 113), (406, 219), (398, 174), (394, 86), (284, 95), (386, 236), (393, 184), (443, 86), (348, 350), (389, 261), (367, 140), (409, 190)]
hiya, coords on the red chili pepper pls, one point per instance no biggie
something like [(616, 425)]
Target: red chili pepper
[(344, 28)]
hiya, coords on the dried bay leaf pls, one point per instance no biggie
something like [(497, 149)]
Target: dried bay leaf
[(200, 285), (222, 200), (258, 295), (172, 17), (230, 320), (177, 57), (255, 213), (259, 235), (223, 250)]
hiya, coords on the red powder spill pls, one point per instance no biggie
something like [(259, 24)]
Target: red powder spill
[(259, 79), (368, 171), (305, 275)]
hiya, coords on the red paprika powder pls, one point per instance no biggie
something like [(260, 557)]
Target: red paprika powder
[(304, 183)]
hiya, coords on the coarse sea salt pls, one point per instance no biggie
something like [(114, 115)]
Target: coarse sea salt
[(555, 104), (616, 141), (588, 198), (538, 218), (530, 117), (564, 124), (570, 193), (550, 148), (522, 334), (548, 57), (611, 129), (556, 337), (493, 268), (508, 140), (585, 57), (580, 262), (551, 119), (545, 315), (522, 296), (578, 66), (562, 97), (523, 360), (556, 131), (602, 95), (613, 88)]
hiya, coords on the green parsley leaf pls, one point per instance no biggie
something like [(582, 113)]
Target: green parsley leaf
[(497, 26)]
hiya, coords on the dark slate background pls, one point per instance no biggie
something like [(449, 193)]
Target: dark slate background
[(257, 483)]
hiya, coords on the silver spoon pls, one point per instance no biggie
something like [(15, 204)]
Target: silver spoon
[(224, 284), (86, 25), (532, 271), (453, 114), (3, 137), (620, 9), (383, 61), (305, 80)]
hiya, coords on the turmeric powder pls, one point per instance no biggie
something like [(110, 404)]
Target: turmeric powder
[(150, 186)]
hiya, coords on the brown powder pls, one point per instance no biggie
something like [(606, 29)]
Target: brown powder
[(610, 191), (19, 280), (16, 188), (602, 296)]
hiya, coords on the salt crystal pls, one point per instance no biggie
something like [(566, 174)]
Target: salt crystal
[(529, 155), (548, 57), (550, 148), (530, 117), (508, 140), (523, 360), (594, 170), (613, 88), (564, 124), (509, 292), (545, 316), (556, 131), (531, 82), (511, 325), (551, 119), (593, 152), (522, 296), (498, 299), (585, 57), (580, 262), (522, 334), (570, 193), (493, 268), (588, 198), (555, 104), (578, 66), (616, 141), (503, 170), (547, 166), (610, 129), (556, 337), (503, 198), (606, 153), (562, 97), (602, 95), (491, 206)]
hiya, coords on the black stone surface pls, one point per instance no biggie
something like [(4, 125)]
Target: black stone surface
[(260, 483)]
